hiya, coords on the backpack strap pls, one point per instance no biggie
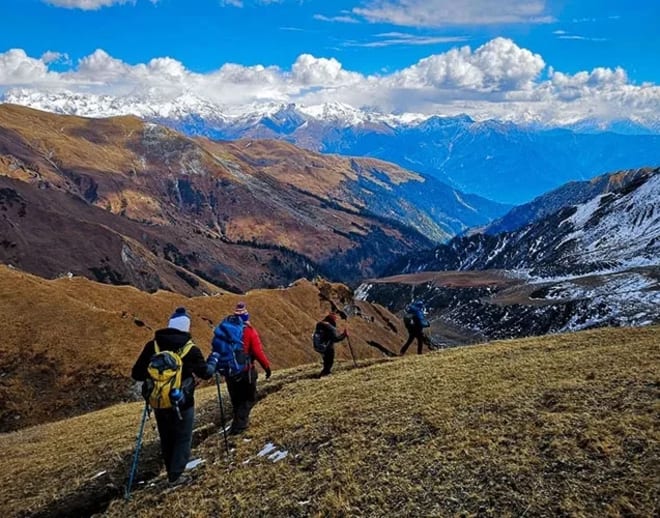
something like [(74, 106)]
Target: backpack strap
[(186, 348), (181, 352)]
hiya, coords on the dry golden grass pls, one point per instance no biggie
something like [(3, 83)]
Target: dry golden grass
[(69, 344), (53, 136), (563, 425)]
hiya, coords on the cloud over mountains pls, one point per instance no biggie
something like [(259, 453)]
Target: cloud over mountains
[(496, 80)]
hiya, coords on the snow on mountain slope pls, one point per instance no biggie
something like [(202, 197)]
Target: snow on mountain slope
[(626, 231), (189, 105), (609, 232)]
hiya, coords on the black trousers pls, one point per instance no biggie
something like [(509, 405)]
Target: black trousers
[(328, 359), (175, 438), (412, 335), (243, 395)]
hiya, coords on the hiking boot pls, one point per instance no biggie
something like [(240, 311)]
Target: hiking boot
[(182, 480)]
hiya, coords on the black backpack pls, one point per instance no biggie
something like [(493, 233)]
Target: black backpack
[(409, 322), (321, 338)]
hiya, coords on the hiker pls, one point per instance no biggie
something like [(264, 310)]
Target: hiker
[(175, 423), (326, 329), (415, 322), (242, 387)]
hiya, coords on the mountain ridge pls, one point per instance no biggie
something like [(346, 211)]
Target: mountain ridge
[(519, 161), (208, 207), (189, 105), (69, 343)]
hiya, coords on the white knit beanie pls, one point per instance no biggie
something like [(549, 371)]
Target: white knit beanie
[(180, 320)]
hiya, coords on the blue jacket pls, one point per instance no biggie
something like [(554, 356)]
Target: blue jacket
[(417, 313)]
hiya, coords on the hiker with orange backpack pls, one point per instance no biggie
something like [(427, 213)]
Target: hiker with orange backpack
[(236, 346), (168, 365)]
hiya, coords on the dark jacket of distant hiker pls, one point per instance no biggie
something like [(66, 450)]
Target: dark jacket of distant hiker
[(175, 428), (332, 336), (415, 322)]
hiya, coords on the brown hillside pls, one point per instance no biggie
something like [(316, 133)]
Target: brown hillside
[(241, 215), (68, 344), (306, 170), (52, 233), (562, 425)]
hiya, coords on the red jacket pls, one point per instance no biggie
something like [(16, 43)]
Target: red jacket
[(252, 346)]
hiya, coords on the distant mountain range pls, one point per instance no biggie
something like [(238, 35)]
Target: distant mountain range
[(592, 263), (500, 161), (128, 202)]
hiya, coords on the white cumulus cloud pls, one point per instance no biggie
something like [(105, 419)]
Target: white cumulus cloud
[(17, 68), (498, 65), (496, 80), (311, 71), (55, 57)]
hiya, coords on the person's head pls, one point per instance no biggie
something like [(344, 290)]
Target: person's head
[(418, 304), (331, 318), (241, 311), (180, 320)]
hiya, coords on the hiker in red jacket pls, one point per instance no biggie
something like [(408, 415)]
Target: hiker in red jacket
[(243, 389)]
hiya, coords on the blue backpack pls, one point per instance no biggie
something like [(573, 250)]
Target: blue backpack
[(228, 343)]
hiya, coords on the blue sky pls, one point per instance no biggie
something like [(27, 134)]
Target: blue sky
[(514, 51)]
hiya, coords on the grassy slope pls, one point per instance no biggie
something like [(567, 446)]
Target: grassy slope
[(561, 425), (68, 345)]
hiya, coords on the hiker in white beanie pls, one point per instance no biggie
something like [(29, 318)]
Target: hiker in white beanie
[(175, 414)]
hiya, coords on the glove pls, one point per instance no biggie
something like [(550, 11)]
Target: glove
[(267, 373), (212, 362)]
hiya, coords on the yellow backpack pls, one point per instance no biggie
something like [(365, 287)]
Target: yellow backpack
[(165, 369)]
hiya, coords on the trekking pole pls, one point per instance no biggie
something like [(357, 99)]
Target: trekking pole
[(136, 455), (350, 348), (222, 412)]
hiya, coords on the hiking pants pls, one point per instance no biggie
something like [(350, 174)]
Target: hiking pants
[(243, 395), (328, 359), (175, 438), (412, 334)]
